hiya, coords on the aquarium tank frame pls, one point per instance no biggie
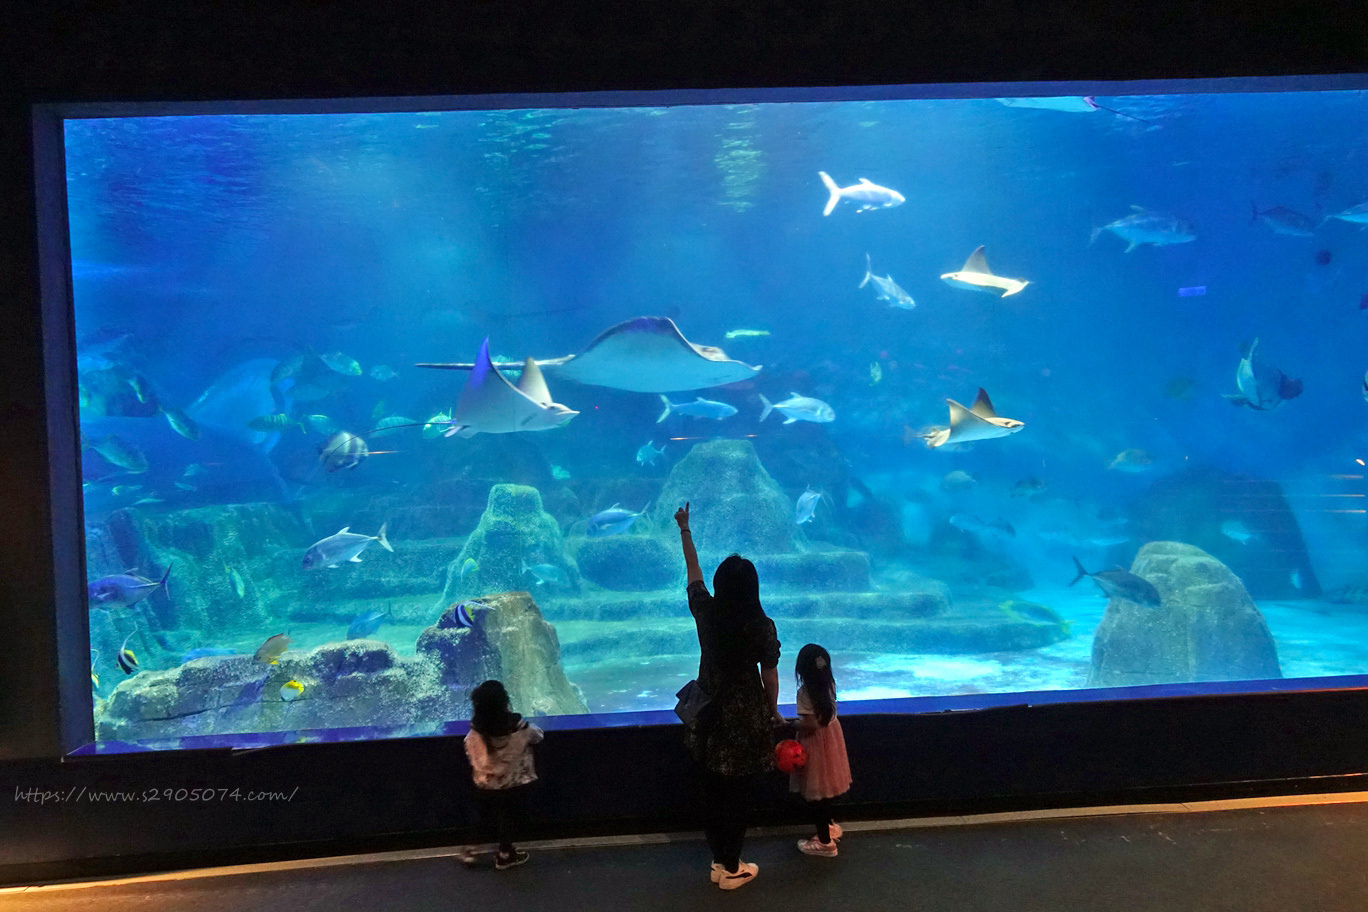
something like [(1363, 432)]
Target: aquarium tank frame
[(60, 373)]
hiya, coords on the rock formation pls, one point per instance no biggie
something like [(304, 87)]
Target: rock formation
[(513, 529), (1206, 629), (354, 683)]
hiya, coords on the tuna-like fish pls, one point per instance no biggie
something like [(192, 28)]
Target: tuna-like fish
[(613, 520), (980, 422), (868, 194), (1121, 584), (342, 547), (967, 522), (648, 454), (799, 408), (886, 289), (1284, 221), (1145, 227), (124, 588), (1261, 386), (699, 408), (383, 372)]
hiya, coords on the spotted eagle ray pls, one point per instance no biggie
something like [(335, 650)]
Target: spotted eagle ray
[(489, 404), (641, 355), (976, 276), (969, 424)]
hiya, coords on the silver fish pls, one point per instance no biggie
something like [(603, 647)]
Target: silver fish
[(867, 193), (799, 408), (699, 408), (887, 289), (1145, 227), (342, 547)]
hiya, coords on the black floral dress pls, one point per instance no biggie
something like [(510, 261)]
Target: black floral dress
[(735, 735)]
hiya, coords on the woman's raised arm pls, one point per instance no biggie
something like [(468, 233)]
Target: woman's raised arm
[(686, 539)]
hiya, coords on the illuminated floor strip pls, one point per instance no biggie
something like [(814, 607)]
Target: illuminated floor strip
[(855, 826)]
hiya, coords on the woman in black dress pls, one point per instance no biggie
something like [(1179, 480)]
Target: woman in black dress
[(733, 738)]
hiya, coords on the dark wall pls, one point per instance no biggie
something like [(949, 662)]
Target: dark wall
[(80, 51)]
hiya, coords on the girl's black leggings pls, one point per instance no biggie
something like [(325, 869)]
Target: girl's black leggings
[(819, 812), (502, 814)]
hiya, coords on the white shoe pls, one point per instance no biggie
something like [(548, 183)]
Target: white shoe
[(745, 873)]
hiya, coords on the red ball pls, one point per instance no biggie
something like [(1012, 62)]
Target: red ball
[(789, 756)]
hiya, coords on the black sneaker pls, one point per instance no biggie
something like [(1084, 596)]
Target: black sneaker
[(503, 862)]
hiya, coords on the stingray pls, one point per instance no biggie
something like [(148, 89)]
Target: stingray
[(489, 404), (642, 355), (976, 276), (969, 424)]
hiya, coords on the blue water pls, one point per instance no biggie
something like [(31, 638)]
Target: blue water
[(208, 249)]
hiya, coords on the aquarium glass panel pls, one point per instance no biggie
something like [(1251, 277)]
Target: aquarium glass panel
[(1001, 395)]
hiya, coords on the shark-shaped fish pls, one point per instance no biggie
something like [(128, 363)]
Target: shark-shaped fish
[(1261, 386), (489, 404), (969, 424), (641, 355), (888, 289), (976, 276)]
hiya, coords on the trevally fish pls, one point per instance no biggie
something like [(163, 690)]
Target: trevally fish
[(806, 506), (699, 408), (546, 573), (124, 588), (342, 547), (363, 625), (980, 422), (1261, 386), (1284, 221), (321, 423), (341, 363), (1132, 460), (648, 454), (1121, 584), (868, 194), (886, 289), (393, 423), (976, 276), (1145, 227), (120, 452), (613, 520), (1236, 530), (799, 408), (181, 423), (383, 372)]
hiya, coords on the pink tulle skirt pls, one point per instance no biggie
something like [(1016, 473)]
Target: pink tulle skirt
[(827, 772)]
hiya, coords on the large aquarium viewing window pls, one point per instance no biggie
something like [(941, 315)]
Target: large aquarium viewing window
[(1003, 395)]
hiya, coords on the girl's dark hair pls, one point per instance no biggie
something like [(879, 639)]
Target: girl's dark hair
[(813, 671), (493, 715), (736, 593)]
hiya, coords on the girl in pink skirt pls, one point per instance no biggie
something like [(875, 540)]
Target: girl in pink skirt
[(827, 771)]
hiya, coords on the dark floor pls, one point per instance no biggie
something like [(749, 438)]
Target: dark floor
[(1297, 859)]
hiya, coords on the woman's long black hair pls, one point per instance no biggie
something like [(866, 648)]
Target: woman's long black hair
[(813, 671), (493, 715), (736, 592)]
